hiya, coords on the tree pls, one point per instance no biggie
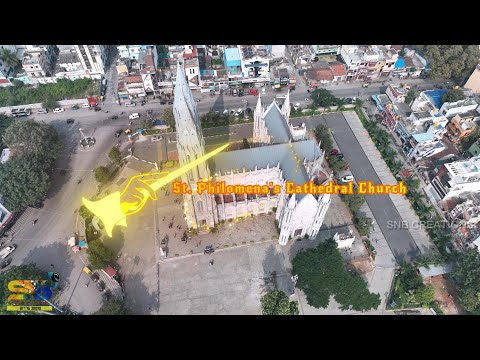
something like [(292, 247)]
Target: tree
[(336, 164), (24, 181), (146, 124), (410, 96), (99, 256), (277, 303), (426, 295), (9, 58), (102, 175), (168, 117), (321, 273), (363, 224), (450, 61), (22, 272), (323, 98), (115, 155), (5, 122), (466, 275), (113, 307), (34, 138), (453, 95), (85, 213), (50, 103), (246, 144), (323, 135), (354, 201), (409, 277)]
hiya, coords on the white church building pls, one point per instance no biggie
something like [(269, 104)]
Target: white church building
[(280, 153)]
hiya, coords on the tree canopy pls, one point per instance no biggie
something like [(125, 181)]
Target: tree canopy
[(99, 256), (354, 201), (115, 155), (113, 307), (5, 122), (450, 61), (277, 303), (33, 137), (102, 175), (410, 96), (453, 95), (321, 273), (466, 274), (46, 93), (323, 135), (324, 98), (24, 181), (22, 272)]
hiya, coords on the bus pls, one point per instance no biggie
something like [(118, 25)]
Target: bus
[(21, 112)]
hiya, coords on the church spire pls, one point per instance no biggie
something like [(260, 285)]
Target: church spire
[(183, 101), (286, 106)]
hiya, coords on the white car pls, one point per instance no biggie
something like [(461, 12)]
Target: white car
[(134, 116), (225, 111), (85, 106), (347, 178), (7, 251), (58, 110)]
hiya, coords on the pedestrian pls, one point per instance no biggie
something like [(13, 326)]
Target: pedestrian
[(175, 235), (52, 266), (86, 285), (211, 262)]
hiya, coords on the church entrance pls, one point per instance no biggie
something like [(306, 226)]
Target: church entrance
[(203, 222), (298, 232)]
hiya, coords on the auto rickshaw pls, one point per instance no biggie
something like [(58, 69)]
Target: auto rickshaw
[(87, 270)]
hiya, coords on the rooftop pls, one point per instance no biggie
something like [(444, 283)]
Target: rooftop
[(67, 58), (232, 54)]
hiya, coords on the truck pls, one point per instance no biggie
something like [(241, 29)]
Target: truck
[(292, 82)]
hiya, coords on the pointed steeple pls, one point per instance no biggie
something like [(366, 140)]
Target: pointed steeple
[(286, 106), (258, 109), (184, 102), (292, 202)]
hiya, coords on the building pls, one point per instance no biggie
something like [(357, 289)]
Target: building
[(233, 63), (275, 158), (326, 73), (450, 109), (397, 92), (37, 65), (255, 60), (473, 82), (8, 70), (148, 70), (344, 241), (304, 54), (363, 62), (458, 178), (462, 125), (93, 59), (6, 216), (5, 156)]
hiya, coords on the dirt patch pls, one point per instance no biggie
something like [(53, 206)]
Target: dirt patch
[(444, 295)]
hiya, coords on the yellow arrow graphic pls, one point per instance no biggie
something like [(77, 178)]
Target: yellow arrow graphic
[(113, 209)]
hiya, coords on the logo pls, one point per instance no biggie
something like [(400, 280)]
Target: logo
[(32, 295)]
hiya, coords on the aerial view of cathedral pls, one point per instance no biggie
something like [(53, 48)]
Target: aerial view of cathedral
[(280, 153)]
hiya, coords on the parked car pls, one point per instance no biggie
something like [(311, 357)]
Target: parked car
[(134, 116), (347, 178), (100, 285), (58, 110), (42, 111), (118, 133), (75, 107), (348, 100), (7, 251), (106, 295), (84, 106), (333, 152), (4, 264), (114, 117), (130, 104), (70, 121), (94, 277), (339, 156), (38, 205), (97, 108)]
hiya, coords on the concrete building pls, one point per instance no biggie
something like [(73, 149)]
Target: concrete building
[(397, 92), (8, 71), (363, 62), (344, 241), (473, 82), (255, 61), (37, 65), (93, 59), (450, 109), (233, 63), (274, 160), (458, 178), (304, 54), (6, 216), (462, 125), (474, 150)]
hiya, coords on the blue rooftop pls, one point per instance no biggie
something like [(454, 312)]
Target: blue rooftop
[(436, 96), (232, 57), (399, 64), (423, 137)]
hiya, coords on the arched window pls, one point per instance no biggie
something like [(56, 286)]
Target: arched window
[(200, 206)]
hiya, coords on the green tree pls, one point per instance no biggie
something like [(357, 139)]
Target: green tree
[(115, 155), (277, 303), (450, 61), (146, 124), (113, 307), (246, 144), (85, 213), (26, 272), (354, 201), (168, 117), (34, 138), (24, 180), (336, 164), (466, 275), (99, 256), (426, 295), (5, 122), (321, 273), (50, 103), (410, 96), (409, 277), (9, 58), (363, 225), (102, 174), (324, 98), (324, 136), (453, 95)]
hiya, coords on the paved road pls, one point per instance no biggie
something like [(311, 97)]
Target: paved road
[(400, 240)]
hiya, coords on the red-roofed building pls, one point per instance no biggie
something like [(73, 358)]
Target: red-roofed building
[(110, 271), (323, 76), (339, 71)]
